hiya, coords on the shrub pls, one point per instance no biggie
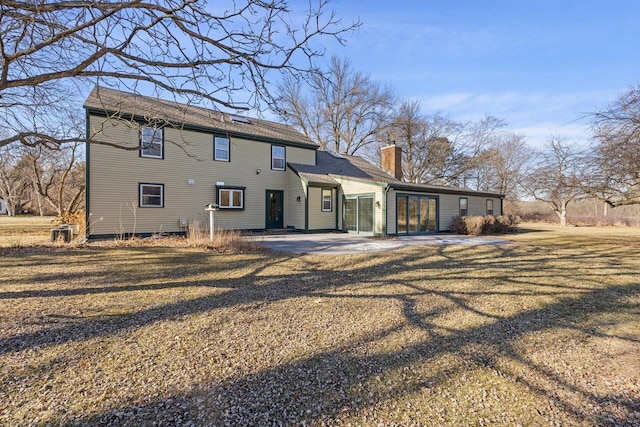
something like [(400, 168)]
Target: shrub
[(458, 225), (476, 225)]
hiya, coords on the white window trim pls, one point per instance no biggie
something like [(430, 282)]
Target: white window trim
[(460, 206), (141, 195), (492, 207), (155, 135), (283, 158), (322, 193), (231, 191), (227, 150)]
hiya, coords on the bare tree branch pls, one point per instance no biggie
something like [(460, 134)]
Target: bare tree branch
[(220, 53), (344, 111), (613, 170)]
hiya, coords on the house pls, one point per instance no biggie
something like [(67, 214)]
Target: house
[(173, 159), (3, 207)]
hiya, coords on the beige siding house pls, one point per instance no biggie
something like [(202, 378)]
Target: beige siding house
[(156, 164)]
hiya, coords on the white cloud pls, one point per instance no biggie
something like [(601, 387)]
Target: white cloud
[(537, 115)]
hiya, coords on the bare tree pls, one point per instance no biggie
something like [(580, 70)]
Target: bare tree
[(57, 177), (470, 147), (613, 172), (501, 166), (344, 110), (441, 151), (14, 182), (554, 180), (221, 53), (428, 142)]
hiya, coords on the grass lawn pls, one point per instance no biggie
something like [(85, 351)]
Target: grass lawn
[(542, 331), (24, 230)]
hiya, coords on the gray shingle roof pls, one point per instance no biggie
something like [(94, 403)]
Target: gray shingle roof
[(352, 166), (113, 101), (357, 167)]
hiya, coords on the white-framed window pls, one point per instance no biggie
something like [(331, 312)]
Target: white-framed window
[(151, 195), (151, 142), (489, 207), (326, 200), (464, 206), (231, 197), (221, 148), (277, 157)]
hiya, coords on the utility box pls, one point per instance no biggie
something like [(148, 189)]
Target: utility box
[(64, 232)]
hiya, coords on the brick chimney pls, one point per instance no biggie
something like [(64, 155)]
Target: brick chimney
[(392, 160)]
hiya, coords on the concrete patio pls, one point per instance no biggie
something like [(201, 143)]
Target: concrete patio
[(345, 243)]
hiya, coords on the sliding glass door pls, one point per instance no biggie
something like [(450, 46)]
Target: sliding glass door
[(358, 214), (416, 214)]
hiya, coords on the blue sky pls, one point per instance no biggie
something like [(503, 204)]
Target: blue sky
[(539, 65)]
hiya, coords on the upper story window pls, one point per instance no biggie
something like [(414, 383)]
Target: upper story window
[(277, 157), (326, 200), (221, 148), (464, 206), (151, 195), (489, 207), (151, 142)]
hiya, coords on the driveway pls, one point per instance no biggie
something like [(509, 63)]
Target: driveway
[(344, 243)]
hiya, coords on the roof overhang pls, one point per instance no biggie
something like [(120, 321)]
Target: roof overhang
[(441, 190)]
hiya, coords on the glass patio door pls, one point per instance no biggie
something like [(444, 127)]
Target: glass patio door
[(416, 214), (358, 214)]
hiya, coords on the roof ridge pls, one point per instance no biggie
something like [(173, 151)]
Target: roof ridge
[(102, 97)]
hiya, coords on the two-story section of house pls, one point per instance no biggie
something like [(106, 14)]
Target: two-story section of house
[(156, 164)]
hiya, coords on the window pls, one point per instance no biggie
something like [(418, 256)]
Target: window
[(231, 197), (277, 157), (151, 142), (221, 148), (464, 206), (151, 195), (326, 200), (489, 207)]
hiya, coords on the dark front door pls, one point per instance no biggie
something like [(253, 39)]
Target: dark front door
[(275, 211)]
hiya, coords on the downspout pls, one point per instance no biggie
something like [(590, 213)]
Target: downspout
[(336, 207), (384, 211), (501, 205), (306, 209)]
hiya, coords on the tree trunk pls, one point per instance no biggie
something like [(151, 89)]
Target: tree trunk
[(39, 199), (563, 213)]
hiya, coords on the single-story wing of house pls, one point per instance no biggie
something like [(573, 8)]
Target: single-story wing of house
[(3, 207), (156, 164)]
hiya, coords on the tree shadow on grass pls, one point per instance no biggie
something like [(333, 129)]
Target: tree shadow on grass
[(336, 383), (341, 382)]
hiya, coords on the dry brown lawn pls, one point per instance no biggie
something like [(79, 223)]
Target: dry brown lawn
[(23, 231), (543, 331)]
